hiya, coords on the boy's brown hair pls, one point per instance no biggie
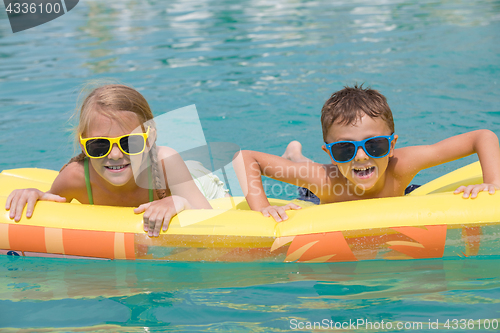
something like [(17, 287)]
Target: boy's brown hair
[(348, 105)]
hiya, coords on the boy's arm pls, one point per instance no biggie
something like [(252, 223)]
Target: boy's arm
[(483, 142), (250, 165)]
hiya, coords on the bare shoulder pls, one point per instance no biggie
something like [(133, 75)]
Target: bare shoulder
[(406, 161), (165, 152), (70, 181)]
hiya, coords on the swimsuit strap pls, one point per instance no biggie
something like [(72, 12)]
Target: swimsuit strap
[(87, 180), (89, 188), (150, 182)]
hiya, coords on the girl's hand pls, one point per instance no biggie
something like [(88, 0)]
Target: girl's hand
[(473, 190), (278, 212), (161, 212), (19, 198)]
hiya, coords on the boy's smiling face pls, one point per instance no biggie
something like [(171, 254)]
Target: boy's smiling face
[(365, 172)]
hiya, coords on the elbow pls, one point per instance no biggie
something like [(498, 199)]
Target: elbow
[(488, 136), (242, 154)]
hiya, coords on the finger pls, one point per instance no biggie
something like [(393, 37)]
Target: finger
[(476, 190), (166, 221), (20, 206), (275, 215), (145, 219), (467, 191), (158, 223), (9, 199), (13, 205), (52, 197), (293, 206), (142, 208), (265, 212), (459, 190), (281, 212), (491, 189), (32, 199), (154, 225)]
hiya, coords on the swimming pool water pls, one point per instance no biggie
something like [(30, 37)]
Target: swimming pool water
[(62, 295), (258, 72)]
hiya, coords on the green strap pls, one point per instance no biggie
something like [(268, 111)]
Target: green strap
[(87, 180), (150, 182)]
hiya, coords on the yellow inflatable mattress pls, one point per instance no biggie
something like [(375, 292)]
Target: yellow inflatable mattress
[(431, 222)]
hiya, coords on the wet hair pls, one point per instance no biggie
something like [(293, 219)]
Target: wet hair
[(109, 100), (348, 105)]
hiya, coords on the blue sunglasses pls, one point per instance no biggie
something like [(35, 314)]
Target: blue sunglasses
[(375, 147)]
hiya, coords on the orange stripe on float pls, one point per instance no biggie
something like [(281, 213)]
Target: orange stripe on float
[(54, 240), (89, 243), (27, 238), (119, 246), (4, 237)]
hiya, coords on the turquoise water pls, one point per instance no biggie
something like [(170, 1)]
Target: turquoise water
[(258, 72), (62, 295)]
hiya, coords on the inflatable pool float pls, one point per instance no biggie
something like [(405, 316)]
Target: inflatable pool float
[(431, 222)]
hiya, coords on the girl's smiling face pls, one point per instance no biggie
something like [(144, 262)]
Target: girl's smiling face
[(365, 172), (116, 167)]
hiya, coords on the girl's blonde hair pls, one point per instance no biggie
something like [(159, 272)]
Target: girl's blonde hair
[(109, 100)]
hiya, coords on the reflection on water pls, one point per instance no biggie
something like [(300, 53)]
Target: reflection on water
[(245, 62), (258, 72), (157, 294)]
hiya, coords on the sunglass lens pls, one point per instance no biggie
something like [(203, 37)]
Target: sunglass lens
[(132, 144), (343, 151), (377, 147), (97, 147)]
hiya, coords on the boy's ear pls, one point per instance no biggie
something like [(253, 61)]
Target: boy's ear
[(328, 152), (393, 145)]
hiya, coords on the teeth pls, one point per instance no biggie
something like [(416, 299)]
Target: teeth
[(362, 169), (116, 167)]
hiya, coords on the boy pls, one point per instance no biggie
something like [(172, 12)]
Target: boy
[(358, 131)]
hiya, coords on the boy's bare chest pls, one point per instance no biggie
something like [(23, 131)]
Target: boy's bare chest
[(339, 191)]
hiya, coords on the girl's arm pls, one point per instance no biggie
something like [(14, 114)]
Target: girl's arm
[(62, 190), (179, 179), (185, 194), (18, 199)]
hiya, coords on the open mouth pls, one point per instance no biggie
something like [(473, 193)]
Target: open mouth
[(365, 172), (116, 168)]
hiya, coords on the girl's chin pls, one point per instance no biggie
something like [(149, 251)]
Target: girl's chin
[(118, 178), (117, 182)]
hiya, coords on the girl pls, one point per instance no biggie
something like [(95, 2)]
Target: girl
[(120, 164)]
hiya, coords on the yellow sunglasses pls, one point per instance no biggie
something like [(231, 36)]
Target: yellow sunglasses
[(130, 144)]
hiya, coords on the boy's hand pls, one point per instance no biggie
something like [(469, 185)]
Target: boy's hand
[(278, 212), (161, 212), (473, 190), (17, 199)]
